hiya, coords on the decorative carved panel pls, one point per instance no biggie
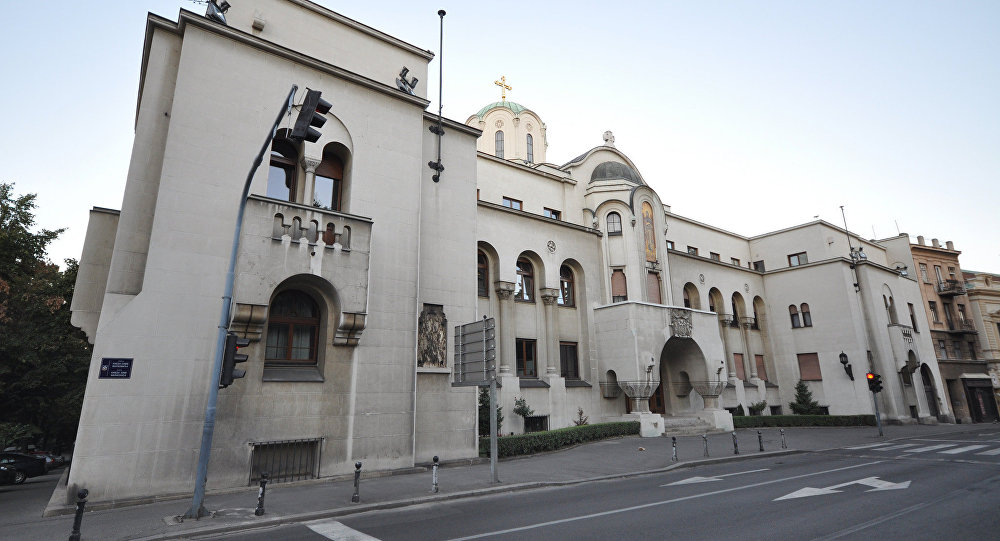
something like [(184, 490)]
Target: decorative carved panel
[(432, 337), (680, 323)]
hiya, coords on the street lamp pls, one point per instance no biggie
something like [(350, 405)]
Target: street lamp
[(847, 365)]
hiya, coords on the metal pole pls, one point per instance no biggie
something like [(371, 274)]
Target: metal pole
[(673, 443), (736, 444), (260, 495), (357, 481), (197, 510), (783, 444), (80, 503), (878, 418), (434, 476), (704, 440), (494, 475), (760, 441)]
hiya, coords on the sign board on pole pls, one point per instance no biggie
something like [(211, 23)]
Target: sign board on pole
[(475, 353)]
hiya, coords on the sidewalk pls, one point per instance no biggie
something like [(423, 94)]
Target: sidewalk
[(324, 498)]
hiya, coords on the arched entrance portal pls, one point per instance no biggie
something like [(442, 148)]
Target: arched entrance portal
[(682, 369), (928, 381)]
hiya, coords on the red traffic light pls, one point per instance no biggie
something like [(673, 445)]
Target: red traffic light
[(870, 375)]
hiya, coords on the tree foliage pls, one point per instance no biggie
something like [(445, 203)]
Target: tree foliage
[(484, 413), (43, 358), (804, 403)]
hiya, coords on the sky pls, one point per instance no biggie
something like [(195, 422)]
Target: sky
[(749, 116)]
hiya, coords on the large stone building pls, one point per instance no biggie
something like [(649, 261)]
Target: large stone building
[(355, 264), (983, 289)]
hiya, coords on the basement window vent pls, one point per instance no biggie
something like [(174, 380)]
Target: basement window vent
[(285, 460)]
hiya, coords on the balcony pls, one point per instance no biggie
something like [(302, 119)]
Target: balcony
[(962, 327), (950, 288)]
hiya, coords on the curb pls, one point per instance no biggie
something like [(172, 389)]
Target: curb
[(406, 502)]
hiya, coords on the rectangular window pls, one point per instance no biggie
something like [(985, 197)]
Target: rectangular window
[(937, 273), (809, 367), (913, 317), (923, 273), (761, 369), (554, 214), (692, 250), (942, 349), (741, 372), (947, 315), (568, 367), (670, 245), (734, 261), (775, 410), (653, 287), (957, 348), (758, 265), (961, 313), (525, 353), (714, 256), (794, 260), (619, 291), (934, 313), (972, 350), (951, 273), (512, 203)]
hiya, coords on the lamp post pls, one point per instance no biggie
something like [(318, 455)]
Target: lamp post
[(847, 365)]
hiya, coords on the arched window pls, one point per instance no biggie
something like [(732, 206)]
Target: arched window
[(714, 300), (614, 223), (281, 174), (806, 316), (499, 144), (329, 183), (691, 297), (531, 150), (292, 329), (687, 298), (619, 289), (524, 289), (483, 277), (793, 312), (566, 292)]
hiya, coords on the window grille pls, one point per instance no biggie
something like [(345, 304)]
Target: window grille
[(285, 460)]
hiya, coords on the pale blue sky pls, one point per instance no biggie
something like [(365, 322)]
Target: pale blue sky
[(750, 116)]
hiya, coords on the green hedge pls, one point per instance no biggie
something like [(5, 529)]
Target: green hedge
[(550, 440), (803, 420)]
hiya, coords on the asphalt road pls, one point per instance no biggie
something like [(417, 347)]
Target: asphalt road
[(24, 503), (921, 488)]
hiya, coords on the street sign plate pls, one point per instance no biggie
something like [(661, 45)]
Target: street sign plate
[(115, 368)]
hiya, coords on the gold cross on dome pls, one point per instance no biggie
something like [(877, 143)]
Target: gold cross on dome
[(504, 87)]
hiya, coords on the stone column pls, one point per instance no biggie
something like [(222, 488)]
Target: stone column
[(505, 295), (308, 189), (549, 297)]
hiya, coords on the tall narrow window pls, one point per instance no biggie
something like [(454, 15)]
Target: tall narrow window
[(937, 274), (687, 298), (329, 183), (761, 369), (531, 149), (946, 308), (281, 173), (793, 312), (568, 366), (499, 144), (483, 277), (525, 354), (614, 224), (566, 290), (524, 289), (741, 371), (913, 317), (934, 312), (292, 329), (618, 286), (653, 287), (807, 320), (923, 273)]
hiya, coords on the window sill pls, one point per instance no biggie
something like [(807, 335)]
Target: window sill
[(529, 301), (577, 383), (433, 370), (292, 374), (527, 382)]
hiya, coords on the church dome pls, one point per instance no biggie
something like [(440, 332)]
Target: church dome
[(615, 171), (517, 108)]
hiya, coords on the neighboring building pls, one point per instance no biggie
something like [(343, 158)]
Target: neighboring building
[(955, 335), (983, 289), (355, 265)]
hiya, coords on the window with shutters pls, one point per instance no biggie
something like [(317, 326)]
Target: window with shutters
[(653, 287), (809, 367), (619, 291), (761, 369), (741, 372)]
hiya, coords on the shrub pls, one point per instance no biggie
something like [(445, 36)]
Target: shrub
[(522, 408), (803, 420), (550, 440), (757, 407), (484, 413), (581, 419), (804, 403)]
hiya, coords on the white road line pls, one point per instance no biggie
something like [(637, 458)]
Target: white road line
[(654, 504), (991, 452), (961, 449), (331, 529), (931, 448), (868, 446), (896, 447)]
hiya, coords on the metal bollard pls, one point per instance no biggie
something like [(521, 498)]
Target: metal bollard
[(673, 442), (434, 476), (704, 440), (783, 444), (357, 480), (736, 444), (760, 441), (80, 503), (260, 495)]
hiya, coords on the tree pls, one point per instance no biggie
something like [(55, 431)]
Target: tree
[(484, 412), (522, 408), (43, 358), (804, 403)]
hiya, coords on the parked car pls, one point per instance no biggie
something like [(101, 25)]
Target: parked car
[(24, 466), (52, 459), (7, 476)]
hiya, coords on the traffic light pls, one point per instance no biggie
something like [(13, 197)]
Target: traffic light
[(311, 115), (874, 382), (230, 358)]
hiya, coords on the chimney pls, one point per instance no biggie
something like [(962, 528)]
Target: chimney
[(935, 243), (920, 240), (950, 245)]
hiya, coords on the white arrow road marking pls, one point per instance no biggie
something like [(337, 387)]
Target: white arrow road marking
[(961, 449), (874, 482), (331, 529), (991, 452), (931, 448), (692, 480)]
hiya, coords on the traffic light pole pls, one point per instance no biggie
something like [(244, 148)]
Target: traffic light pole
[(878, 418), (197, 509)]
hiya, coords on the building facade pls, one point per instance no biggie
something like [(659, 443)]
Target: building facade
[(983, 289), (355, 264)]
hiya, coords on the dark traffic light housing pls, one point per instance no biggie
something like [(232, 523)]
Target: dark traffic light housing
[(311, 115), (874, 382), (230, 358)]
